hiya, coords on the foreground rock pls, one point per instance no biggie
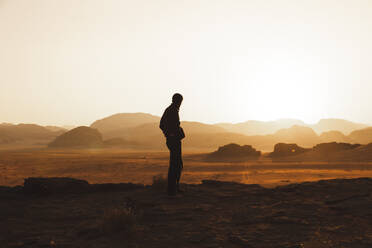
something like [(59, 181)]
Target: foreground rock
[(54, 185), (59, 185), (328, 213)]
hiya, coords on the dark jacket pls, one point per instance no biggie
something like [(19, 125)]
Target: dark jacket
[(170, 123)]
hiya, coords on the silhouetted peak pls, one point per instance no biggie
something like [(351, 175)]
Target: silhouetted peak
[(296, 129)]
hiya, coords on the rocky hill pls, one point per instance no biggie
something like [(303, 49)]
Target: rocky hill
[(233, 152), (80, 137)]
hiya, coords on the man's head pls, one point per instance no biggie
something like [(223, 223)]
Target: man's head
[(177, 99)]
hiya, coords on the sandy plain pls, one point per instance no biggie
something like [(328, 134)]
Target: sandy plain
[(116, 166)]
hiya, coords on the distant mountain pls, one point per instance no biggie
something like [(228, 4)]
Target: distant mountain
[(140, 130), (198, 127), (204, 136), (80, 137), (301, 135), (344, 126), (122, 121), (150, 135), (56, 129), (363, 136), (26, 132), (4, 124), (334, 136), (253, 127), (270, 127), (68, 127), (143, 130)]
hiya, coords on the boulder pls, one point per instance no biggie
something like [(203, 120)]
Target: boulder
[(334, 147), (232, 152), (286, 150)]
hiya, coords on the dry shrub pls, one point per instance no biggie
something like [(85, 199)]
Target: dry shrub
[(159, 182), (119, 220)]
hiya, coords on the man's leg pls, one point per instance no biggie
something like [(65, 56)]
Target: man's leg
[(172, 176), (178, 152)]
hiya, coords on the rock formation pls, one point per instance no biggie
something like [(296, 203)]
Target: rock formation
[(234, 152), (285, 150)]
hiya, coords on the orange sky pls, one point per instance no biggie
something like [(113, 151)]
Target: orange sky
[(75, 61)]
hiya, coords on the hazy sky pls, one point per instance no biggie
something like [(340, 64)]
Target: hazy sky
[(75, 61)]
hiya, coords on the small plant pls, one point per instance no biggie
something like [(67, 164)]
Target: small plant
[(159, 182), (119, 220)]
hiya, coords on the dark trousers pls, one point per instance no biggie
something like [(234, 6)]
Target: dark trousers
[(175, 164)]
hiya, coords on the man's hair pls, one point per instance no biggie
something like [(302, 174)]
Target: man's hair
[(177, 98)]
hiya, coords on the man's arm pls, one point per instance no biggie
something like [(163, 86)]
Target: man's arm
[(163, 123), (170, 122)]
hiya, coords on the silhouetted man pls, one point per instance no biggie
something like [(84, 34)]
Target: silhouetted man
[(170, 125)]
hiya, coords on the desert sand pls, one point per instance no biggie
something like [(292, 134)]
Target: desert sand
[(116, 166)]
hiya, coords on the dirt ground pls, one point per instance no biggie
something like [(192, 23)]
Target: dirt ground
[(325, 214), (114, 166)]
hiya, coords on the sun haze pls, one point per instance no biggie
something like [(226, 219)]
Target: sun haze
[(72, 62)]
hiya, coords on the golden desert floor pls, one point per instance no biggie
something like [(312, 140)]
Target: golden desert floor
[(114, 166)]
